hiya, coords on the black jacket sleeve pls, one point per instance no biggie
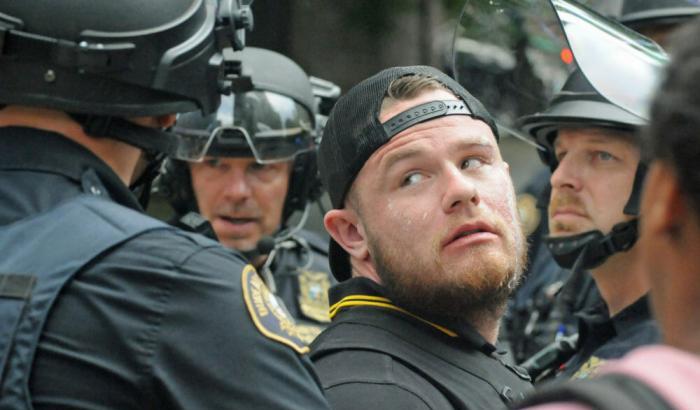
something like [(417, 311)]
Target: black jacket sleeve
[(211, 355), (160, 323)]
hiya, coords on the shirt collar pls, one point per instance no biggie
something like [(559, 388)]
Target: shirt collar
[(364, 292), (632, 314), (31, 149)]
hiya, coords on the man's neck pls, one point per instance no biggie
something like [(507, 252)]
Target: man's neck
[(676, 293), (620, 280), (486, 321), (121, 157), (487, 324)]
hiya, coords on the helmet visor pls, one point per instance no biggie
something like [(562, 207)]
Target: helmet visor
[(190, 145), (515, 56), (266, 125), (276, 127), (511, 56), (624, 66)]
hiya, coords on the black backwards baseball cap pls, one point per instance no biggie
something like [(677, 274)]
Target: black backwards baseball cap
[(353, 132)]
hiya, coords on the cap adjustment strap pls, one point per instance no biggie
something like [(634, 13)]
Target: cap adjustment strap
[(424, 112)]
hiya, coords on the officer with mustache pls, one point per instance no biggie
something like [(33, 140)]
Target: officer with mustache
[(662, 376), (542, 312), (597, 173)]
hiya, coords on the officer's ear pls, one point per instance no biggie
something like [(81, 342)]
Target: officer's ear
[(346, 229), (664, 210)]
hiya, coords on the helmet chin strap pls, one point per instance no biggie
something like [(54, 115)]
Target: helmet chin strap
[(151, 140), (154, 143), (585, 251), (635, 199), (141, 187), (590, 249)]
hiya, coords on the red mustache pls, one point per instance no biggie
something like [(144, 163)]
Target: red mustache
[(565, 202)]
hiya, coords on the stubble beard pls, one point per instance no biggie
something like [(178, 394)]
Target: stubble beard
[(472, 292)]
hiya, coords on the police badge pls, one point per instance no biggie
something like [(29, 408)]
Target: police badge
[(313, 295), (529, 214)]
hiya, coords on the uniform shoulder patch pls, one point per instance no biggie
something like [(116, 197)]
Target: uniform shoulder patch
[(269, 315), (528, 212), (313, 295)]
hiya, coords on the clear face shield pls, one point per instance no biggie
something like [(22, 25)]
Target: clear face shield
[(516, 55), (265, 125), (189, 146), (533, 47)]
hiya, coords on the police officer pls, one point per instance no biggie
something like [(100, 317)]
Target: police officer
[(537, 314), (593, 212), (657, 19), (535, 317), (260, 169), (426, 243), (662, 376), (101, 305)]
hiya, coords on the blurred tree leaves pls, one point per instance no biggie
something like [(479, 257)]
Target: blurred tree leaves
[(378, 17)]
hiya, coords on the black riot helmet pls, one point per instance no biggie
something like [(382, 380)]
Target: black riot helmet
[(272, 119), (102, 61), (578, 104), (640, 14)]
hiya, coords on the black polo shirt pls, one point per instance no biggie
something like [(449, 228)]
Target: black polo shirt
[(377, 355)]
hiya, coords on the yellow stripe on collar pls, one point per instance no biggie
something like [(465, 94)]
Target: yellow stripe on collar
[(367, 298), (381, 302)]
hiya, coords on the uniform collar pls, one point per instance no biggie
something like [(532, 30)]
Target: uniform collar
[(363, 292), (632, 315), (598, 321), (31, 149)]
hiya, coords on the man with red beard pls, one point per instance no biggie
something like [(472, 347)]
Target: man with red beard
[(426, 244), (591, 146)]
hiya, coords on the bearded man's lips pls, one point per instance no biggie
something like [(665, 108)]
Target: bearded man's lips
[(469, 234)]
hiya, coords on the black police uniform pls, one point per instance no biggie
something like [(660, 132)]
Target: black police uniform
[(302, 279), (602, 338), (531, 322), (525, 328), (377, 355), (160, 320)]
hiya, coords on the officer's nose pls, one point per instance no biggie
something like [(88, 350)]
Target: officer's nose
[(460, 190), (567, 175), (237, 186)]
